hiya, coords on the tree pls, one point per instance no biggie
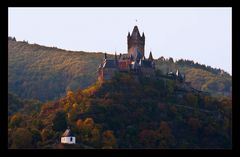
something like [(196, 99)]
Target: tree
[(194, 123), (171, 60), (36, 136), (148, 138), (46, 134), (192, 100), (108, 139), (166, 139), (88, 122), (95, 138), (79, 124), (79, 96), (70, 97), (170, 84), (161, 58), (72, 115), (60, 121), (89, 132), (38, 124), (21, 138), (16, 120)]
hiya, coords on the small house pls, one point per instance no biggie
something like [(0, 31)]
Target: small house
[(68, 138)]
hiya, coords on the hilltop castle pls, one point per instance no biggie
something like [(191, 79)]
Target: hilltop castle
[(134, 61)]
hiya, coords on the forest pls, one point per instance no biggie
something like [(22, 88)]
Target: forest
[(126, 112), (51, 89)]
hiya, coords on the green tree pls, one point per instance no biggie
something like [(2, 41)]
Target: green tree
[(191, 99), (170, 84), (46, 134), (38, 124), (60, 121), (36, 136)]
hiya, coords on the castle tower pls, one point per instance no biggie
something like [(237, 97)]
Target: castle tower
[(136, 44)]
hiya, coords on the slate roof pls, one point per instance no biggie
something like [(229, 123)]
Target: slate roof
[(146, 63), (109, 63), (135, 32), (67, 133)]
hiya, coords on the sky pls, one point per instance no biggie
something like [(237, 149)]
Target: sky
[(203, 35)]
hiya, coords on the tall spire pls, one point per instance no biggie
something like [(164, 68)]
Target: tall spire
[(150, 56)]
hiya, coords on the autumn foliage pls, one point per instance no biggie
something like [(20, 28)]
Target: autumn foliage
[(127, 112)]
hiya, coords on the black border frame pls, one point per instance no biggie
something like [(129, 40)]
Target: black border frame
[(107, 3)]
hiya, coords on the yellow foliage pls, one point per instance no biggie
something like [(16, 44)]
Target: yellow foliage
[(89, 122)]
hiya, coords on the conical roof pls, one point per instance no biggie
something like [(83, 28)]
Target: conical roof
[(135, 32)]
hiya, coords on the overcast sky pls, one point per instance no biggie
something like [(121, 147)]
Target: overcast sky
[(200, 34)]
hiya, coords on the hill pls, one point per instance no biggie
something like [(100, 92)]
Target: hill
[(46, 73), (128, 112), (201, 77), (26, 106)]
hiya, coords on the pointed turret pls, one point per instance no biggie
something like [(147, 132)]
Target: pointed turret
[(135, 32), (143, 36), (128, 35), (105, 56), (150, 56), (116, 60)]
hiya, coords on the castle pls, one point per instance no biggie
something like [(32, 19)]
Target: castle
[(134, 61)]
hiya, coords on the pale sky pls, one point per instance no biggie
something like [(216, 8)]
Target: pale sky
[(203, 35)]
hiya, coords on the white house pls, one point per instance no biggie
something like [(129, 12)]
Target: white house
[(68, 138)]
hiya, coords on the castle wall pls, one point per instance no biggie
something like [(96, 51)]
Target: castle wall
[(147, 71), (108, 73)]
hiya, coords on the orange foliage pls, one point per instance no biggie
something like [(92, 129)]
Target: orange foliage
[(109, 139)]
